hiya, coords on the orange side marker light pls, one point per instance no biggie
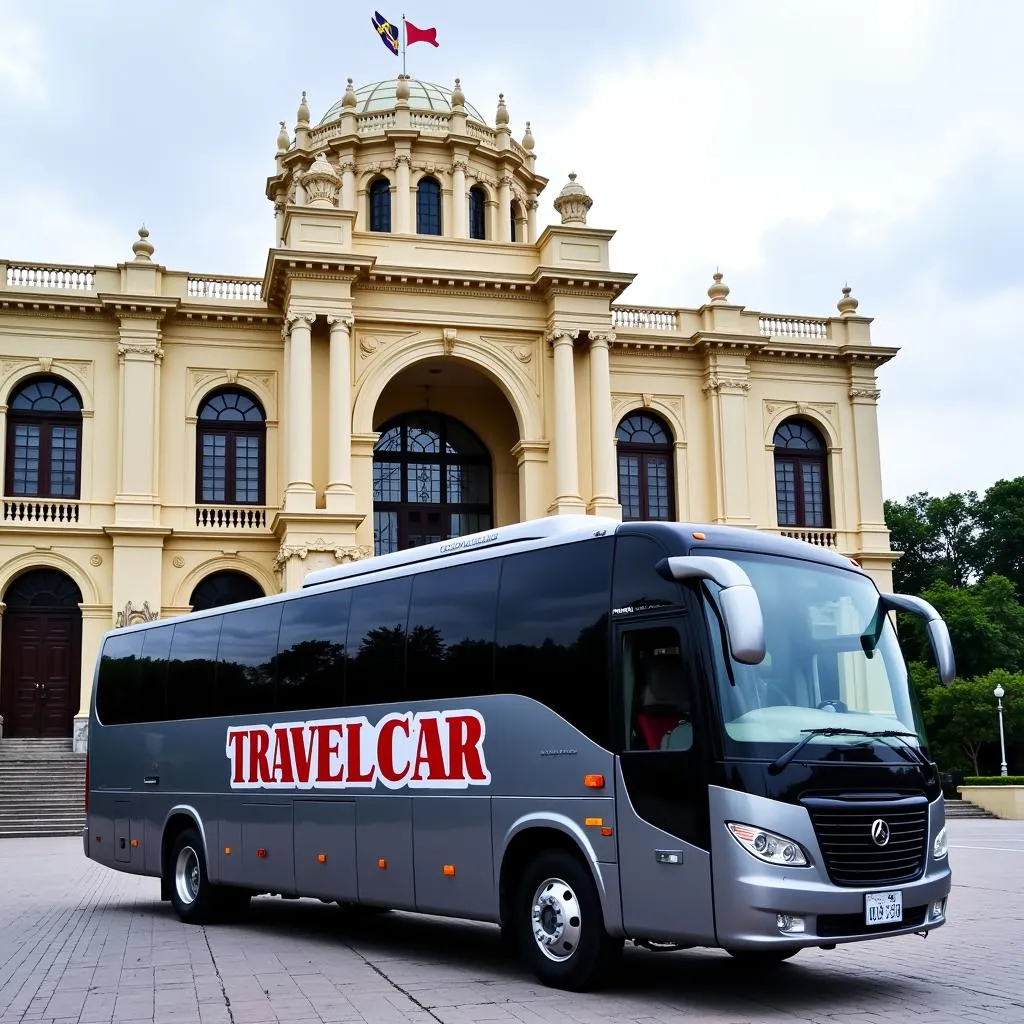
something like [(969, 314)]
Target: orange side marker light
[(593, 781), (382, 864), (135, 843), (606, 831), (449, 869), (227, 851), (322, 857), (593, 821), (698, 536)]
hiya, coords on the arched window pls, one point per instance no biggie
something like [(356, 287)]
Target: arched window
[(428, 207), (44, 440), (477, 212), (645, 467), (801, 475), (431, 481), (380, 205), (226, 587), (513, 215), (231, 439)]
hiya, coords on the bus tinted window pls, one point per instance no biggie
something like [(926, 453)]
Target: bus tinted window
[(311, 658), (451, 631), (636, 585), (376, 642), (192, 670), (156, 650), (553, 631), (246, 661), (118, 683)]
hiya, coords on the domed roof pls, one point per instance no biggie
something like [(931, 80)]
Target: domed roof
[(422, 96)]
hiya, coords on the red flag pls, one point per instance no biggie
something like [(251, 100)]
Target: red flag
[(420, 35)]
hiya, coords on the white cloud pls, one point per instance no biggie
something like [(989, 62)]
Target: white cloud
[(21, 60)]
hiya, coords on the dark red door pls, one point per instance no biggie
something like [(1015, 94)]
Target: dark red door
[(40, 658)]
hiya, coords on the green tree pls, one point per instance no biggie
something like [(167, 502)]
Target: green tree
[(1001, 540), (985, 622), (937, 538), (964, 730)]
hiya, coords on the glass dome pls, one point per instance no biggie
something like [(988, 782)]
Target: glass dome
[(422, 96)]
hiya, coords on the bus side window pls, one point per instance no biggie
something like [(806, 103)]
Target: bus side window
[(156, 651), (375, 673), (311, 651), (656, 690), (117, 690)]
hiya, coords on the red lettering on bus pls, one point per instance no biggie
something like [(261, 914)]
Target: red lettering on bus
[(281, 762), (355, 773), (324, 748), (428, 752), (236, 739), (465, 748), (303, 741), (386, 749), (259, 748)]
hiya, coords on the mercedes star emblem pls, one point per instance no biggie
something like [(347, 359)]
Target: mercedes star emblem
[(880, 832)]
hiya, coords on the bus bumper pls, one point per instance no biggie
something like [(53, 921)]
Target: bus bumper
[(763, 906)]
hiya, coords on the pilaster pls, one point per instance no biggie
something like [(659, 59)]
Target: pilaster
[(864, 395), (300, 495), (532, 461), (340, 496), (726, 385)]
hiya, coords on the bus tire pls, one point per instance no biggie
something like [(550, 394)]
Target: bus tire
[(559, 926), (192, 894)]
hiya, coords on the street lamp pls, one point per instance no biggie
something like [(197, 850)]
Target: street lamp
[(998, 693)]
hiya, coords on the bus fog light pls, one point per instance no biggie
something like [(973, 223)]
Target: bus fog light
[(938, 910), (941, 845), (768, 846), (790, 924)]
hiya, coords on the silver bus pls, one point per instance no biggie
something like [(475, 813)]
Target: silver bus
[(583, 731)]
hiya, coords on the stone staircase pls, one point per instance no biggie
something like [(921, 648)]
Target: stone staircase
[(42, 788), (965, 809)]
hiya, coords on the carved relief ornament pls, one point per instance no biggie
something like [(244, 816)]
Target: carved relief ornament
[(131, 615), (873, 394), (717, 384), (342, 553), (557, 334)]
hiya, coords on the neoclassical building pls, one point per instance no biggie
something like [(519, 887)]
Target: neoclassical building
[(421, 358)]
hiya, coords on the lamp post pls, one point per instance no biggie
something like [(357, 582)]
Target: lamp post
[(998, 693)]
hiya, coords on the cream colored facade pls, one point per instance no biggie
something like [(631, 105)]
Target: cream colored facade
[(524, 341)]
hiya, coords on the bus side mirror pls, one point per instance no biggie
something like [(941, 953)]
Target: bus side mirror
[(938, 633), (741, 610)]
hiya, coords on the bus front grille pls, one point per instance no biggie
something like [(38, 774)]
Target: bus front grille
[(871, 844)]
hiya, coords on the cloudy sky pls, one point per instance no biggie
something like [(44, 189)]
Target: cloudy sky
[(797, 144)]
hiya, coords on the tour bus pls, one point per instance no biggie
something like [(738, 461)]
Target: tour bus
[(581, 730)]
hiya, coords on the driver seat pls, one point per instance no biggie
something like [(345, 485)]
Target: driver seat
[(664, 704)]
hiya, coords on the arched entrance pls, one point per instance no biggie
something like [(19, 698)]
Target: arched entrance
[(41, 655), (225, 587), (432, 480)]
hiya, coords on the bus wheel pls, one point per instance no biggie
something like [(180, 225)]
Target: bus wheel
[(560, 928), (761, 957), (191, 893)]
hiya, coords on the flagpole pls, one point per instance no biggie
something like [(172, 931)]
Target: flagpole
[(403, 45)]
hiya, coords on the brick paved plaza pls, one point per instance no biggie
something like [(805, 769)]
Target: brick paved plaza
[(82, 944)]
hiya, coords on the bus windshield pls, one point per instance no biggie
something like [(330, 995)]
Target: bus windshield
[(832, 662)]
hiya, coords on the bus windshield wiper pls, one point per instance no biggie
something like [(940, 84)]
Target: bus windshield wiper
[(780, 762)]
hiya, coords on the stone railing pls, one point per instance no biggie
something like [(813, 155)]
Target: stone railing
[(653, 318), (43, 275), (810, 535), (229, 289), (481, 132), (39, 511), (429, 121), (231, 517), (374, 123), (812, 328)]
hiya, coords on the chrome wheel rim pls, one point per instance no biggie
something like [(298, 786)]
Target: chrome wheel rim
[(555, 919), (186, 875)]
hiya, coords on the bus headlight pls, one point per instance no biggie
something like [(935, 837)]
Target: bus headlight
[(941, 845), (768, 846)]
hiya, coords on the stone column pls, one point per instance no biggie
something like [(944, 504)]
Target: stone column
[(460, 201), (505, 209), (491, 214), (300, 495), (531, 219), (96, 620), (403, 195), (605, 500), (340, 494), (567, 477)]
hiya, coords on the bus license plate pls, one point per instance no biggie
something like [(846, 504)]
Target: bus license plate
[(883, 907)]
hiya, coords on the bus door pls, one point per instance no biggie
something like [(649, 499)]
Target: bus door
[(662, 789)]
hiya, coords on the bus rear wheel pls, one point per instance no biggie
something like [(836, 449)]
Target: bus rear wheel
[(559, 924), (191, 892)]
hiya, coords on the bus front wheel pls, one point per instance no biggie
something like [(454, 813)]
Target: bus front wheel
[(560, 927)]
